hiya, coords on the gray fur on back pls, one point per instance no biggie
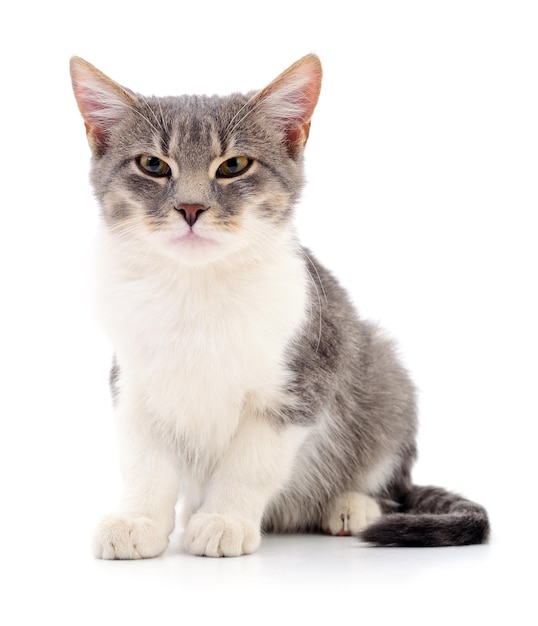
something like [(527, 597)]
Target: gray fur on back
[(353, 388)]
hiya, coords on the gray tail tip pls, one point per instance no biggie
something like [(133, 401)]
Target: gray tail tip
[(428, 530)]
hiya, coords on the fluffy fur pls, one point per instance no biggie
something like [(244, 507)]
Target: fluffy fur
[(243, 378)]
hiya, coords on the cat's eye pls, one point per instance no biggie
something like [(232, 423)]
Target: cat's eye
[(153, 166), (233, 167)]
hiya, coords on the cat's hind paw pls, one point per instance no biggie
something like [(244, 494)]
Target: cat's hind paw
[(209, 534), (125, 537), (349, 513)]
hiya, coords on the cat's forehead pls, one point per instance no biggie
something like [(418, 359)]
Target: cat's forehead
[(199, 108), (189, 124)]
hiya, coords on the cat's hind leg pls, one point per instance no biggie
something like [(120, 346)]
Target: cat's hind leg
[(349, 513)]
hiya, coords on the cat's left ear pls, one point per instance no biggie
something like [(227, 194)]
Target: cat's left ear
[(290, 100), (101, 101)]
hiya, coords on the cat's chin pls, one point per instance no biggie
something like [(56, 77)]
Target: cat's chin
[(195, 249), (192, 240)]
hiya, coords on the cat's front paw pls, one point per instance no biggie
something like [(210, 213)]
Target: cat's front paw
[(125, 537), (349, 513), (209, 534)]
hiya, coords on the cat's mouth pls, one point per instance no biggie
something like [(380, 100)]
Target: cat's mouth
[(192, 238)]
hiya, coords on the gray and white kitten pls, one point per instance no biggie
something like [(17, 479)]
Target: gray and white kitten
[(243, 378)]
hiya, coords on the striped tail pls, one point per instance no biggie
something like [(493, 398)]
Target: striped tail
[(430, 517)]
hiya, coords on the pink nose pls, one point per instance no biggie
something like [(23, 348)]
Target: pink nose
[(191, 212)]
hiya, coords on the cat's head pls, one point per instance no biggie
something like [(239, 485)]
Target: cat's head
[(198, 177)]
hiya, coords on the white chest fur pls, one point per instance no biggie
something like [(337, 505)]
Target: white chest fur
[(195, 342)]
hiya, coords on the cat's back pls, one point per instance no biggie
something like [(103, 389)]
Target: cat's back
[(348, 371)]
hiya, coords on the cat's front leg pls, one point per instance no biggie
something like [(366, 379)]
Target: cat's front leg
[(254, 468), (146, 515)]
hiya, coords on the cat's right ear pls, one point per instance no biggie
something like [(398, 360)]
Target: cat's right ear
[(101, 101)]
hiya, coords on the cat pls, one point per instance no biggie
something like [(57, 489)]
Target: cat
[(243, 378)]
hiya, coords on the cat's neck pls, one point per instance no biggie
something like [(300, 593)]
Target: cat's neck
[(141, 261), (135, 290)]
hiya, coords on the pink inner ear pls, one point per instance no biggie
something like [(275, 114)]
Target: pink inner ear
[(94, 113), (101, 101), (291, 98), (98, 108), (298, 134), (88, 101)]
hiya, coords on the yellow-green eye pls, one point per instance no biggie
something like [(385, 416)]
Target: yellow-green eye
[(153, 166), (233, 167)]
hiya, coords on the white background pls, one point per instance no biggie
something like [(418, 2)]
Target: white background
[(422, 197)]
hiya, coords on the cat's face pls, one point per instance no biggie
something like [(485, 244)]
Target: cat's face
[(198, 178)]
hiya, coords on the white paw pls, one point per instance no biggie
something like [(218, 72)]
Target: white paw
[(209, 534), (125, 537), (349, 513)]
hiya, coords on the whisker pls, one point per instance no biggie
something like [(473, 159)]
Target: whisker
[(228, 128), (317, 273), (163, 120), (314, 283), (150, 109), (237, 122), (145, 118)]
